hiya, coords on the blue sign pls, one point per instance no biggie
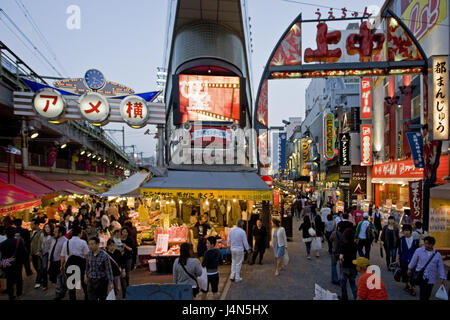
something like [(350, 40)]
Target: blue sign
[(415, 140), (282, 151)]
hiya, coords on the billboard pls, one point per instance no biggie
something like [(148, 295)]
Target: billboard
[(209, 98)]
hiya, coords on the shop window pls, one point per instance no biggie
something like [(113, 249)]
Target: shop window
[(415, 107)]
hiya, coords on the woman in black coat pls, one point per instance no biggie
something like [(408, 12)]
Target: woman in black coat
[(307, 238)]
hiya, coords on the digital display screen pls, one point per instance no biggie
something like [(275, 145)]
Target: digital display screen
[(209, 98)]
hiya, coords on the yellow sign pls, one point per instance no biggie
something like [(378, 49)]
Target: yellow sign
[(209, 194), (439, 221)]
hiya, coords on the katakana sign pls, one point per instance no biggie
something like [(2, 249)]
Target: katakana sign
[(366, 144), (94, 107), (49, 104), (366, 98), (134, 111)]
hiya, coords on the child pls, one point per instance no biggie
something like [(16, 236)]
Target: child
[(211, 261)]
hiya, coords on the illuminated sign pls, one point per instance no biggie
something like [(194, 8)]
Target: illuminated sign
[(328, 137), (415, 199), (209, 98), (134, 111), (440, 98), (344, 152), (94, 107), (397, 169), (366, 98), (49, 104), (366, 144)]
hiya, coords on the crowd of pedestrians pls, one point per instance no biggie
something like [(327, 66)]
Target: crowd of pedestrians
[(60, 248)]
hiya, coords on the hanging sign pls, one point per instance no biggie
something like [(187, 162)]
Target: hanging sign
[(366, 144), (94, 107), (344, 149), (440, 98), (134, 111), (276, 197), (415, 140), (415, 199), (328, 136), (49, 104), (397, 169), (366, 98), (358, 181), (282, 151)]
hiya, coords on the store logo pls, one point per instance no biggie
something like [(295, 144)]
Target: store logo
[(73, 22), (374, 281), (74, 277)]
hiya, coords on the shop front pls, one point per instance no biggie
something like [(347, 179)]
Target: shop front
[(439, 219)]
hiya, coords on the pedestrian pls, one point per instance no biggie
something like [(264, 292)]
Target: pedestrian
[(330, 226), (113, 211), (14, 254), (62, 208), (117, 265), (132, 234), (2, 234), (357, 214), (100, 279), (187, 269), (336, 239), (279, 243), (389, 239), (37, 237), (80, 222), (338, 218), (260, 235), (66, 223), (426, 264), (46, 245), (74, 253), (127, 252), (377, 290), (307, 237), (237, 242), (202, 227), (319, 228), (406, 248), (54, 272), (419, 234), (345, 222), (211, 261), (377, 216), (347, 253), (24, 234), (51, 213), (324, 212), (104, 220), (364, 236)]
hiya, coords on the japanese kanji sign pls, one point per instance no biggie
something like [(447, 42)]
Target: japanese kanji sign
[(134, 111), (366, 98), (415, 199), (366, 144), (208, 194), (415, 140), (49, 104), (440, 112), (94, 107)]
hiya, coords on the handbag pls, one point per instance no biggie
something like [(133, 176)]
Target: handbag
[(285, 259), (11, 261), (441, 293), (202, 281), (398, 274), (418, 275), (316, 244), (312, 232)]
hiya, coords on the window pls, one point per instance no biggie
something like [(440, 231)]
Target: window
[(415, 107)]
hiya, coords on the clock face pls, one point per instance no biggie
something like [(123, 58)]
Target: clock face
[(94, 79)]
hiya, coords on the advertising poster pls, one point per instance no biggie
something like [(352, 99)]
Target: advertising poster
[(209, 98), (439, 223)]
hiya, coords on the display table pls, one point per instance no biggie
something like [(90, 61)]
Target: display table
[(164, 264), (145, 254)]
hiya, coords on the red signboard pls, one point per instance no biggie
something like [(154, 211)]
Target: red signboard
[(366, 144), (209, 98), (276, 197), (397, 169), (415, 199), (366, 99), (17, 207)]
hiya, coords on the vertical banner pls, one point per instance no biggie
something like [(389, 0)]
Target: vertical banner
[(440, 114), (366, 144), (415, 140), (282, 151), (415, 199), (358, 184), (344, 149), (328, 136), (276, 197), (366, 98)]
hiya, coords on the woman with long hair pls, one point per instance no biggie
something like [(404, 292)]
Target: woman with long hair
[(45, 251), (186, 269), (347, 251), (279, 243), (127, 251), (307, 237)]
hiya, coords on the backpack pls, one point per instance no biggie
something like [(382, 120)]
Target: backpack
[(370, 233)]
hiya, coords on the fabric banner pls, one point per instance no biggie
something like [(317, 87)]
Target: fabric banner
[(17, 207), (263, 195), (282, 151), (415, 140), (416, 199)]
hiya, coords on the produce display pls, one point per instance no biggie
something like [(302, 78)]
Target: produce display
[(173, 251), (176, 233)]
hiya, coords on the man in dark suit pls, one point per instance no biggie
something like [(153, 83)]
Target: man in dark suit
[(66, 223), (13, 249), (260, 235), (25, 235), (344, 224)]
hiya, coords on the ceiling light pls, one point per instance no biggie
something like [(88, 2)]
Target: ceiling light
[(83, 152), (94, 156), (89, 155), (63, 145), (34, 135)]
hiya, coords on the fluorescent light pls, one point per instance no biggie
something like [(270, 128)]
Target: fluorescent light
[(64, 145), (34, 135), (83, 152), (94, 156)]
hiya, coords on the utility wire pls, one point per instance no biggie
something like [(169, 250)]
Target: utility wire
[(30, 19), (30, 42)]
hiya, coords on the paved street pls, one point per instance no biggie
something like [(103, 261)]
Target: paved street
[(298, 281)]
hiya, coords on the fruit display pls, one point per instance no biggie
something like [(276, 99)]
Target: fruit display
[(173, 251)]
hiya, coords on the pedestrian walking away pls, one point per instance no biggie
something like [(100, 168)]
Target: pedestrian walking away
[(37, 237), (305, 227), (211, 261), (279, 243), (237, 243), (347, 253), (365, 235)]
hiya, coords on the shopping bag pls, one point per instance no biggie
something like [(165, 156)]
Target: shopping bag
[(441, 293), (285, 259), (111, 295), (316, 244), (203, 280)]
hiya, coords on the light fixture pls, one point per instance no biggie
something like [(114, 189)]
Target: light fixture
[(63, 145), (180, 202), (110, 162), (89, 155), (234, 200), (34, 134), (218, 200), (94, 156), (104, 160), (99, 158), (207, 202), (83, 152)]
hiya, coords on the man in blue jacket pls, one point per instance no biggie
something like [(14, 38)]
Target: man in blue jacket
[(406, 248)]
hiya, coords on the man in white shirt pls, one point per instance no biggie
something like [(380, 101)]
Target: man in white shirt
[(237, 241), (74, 253), (325, 212)]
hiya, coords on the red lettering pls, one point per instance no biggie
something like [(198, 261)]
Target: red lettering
[(323, 39), (363, 43)]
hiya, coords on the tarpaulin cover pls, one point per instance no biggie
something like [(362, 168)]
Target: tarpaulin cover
[(26, 184), (128, 186)]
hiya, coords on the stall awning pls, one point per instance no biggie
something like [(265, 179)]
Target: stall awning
[(208, 185), (87, 184), (13, 199), (66, 186), (128, 187), (441, 192), (26, 184)]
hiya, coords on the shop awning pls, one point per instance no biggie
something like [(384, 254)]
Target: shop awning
[(66, 186), (87, 184), (441, 192), (208, 185), (13, 199), (26, 184), (128, 187)]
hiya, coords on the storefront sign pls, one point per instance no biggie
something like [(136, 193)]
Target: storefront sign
[(282, 151), (328, 136), (340, 206), (134, 111), (305, 154), (415, 140), (94, 107), (276, 197), (366, 98), (358, 184), (440, 98), (49, 104), (366, 144), (415, 199), (209, 194), (344, 149), (397, 169), (18, 207)]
